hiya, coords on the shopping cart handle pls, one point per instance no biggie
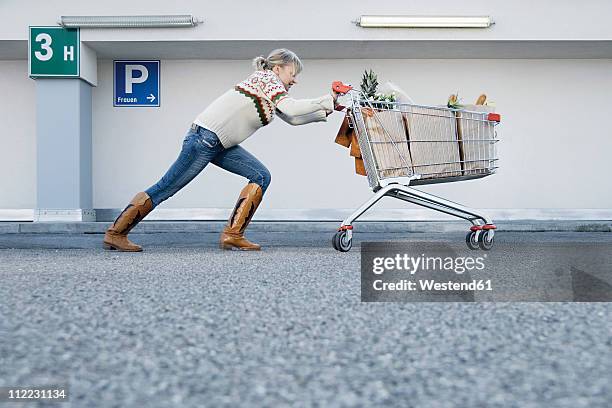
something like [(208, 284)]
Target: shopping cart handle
[(494, 117), (339, 87)]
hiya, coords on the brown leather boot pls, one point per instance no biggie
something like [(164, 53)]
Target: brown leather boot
[(232, 237), (116, 235)]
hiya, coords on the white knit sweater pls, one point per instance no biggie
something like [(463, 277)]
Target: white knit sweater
[(252, 103)]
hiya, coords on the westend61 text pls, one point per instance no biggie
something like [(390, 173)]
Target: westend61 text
[(432, 285)]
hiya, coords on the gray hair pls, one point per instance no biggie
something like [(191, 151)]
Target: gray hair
[(281, 56)]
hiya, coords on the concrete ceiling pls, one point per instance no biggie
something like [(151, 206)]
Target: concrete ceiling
[(337, 49)]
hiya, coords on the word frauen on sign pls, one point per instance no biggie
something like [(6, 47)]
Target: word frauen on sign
[(136, 83), (54, 52)]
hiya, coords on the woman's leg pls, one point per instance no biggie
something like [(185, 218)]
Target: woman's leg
[(197, 151), (238, 161)]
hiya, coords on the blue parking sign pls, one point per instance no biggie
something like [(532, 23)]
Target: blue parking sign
[(136, 83)]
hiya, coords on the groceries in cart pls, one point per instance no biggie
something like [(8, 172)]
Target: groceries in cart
[(456, 148), (398, 144)]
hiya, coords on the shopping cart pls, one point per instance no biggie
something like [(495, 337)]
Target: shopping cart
[(404, 145)]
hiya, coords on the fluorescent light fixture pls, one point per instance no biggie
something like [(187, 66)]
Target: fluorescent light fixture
[(425, 21), (129, 21)]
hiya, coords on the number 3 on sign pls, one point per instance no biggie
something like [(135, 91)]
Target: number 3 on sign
[(45, 39)]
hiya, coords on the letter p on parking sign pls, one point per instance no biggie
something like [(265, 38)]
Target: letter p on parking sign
[(136, 83)]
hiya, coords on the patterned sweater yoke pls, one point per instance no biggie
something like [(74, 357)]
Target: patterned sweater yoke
[(265, 89)]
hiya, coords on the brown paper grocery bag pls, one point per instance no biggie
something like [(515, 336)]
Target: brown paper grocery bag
[(387, 135), (343, 137), (472, 133), (347, 138), (355, 149), (432, 135), (360, 167)]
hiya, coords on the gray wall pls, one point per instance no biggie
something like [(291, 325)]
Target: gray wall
[(554, 153), (17, 136), (555, 148)]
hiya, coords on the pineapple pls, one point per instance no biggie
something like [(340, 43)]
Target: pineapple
[(369, 84), (369, 87)]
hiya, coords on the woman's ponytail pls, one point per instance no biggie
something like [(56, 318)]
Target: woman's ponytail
[(260, 63)]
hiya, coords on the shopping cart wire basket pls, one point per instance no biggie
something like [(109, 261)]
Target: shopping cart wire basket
[(405, 145)]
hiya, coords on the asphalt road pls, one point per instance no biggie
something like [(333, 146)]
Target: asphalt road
[(184, 324)]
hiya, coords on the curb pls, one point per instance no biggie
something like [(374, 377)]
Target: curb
[(155, 227)]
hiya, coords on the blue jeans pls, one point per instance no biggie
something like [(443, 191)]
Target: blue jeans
[(199, 149)]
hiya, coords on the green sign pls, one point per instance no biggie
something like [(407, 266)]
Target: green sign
[(54, 52)]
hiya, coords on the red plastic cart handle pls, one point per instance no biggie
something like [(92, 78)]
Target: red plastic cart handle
[(494, 117), (339, 87)]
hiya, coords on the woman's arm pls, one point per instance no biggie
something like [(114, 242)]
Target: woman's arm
[(274, 91), (316, 116), (297, 107)]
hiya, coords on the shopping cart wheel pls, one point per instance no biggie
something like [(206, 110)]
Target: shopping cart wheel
[(334, 243), (471, 239), (342, 242), (485, 240)]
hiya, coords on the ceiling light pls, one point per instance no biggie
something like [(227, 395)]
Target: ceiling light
[(129, 21), (425, 21)]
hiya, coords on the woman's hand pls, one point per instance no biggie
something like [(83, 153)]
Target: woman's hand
[(334, 95)]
